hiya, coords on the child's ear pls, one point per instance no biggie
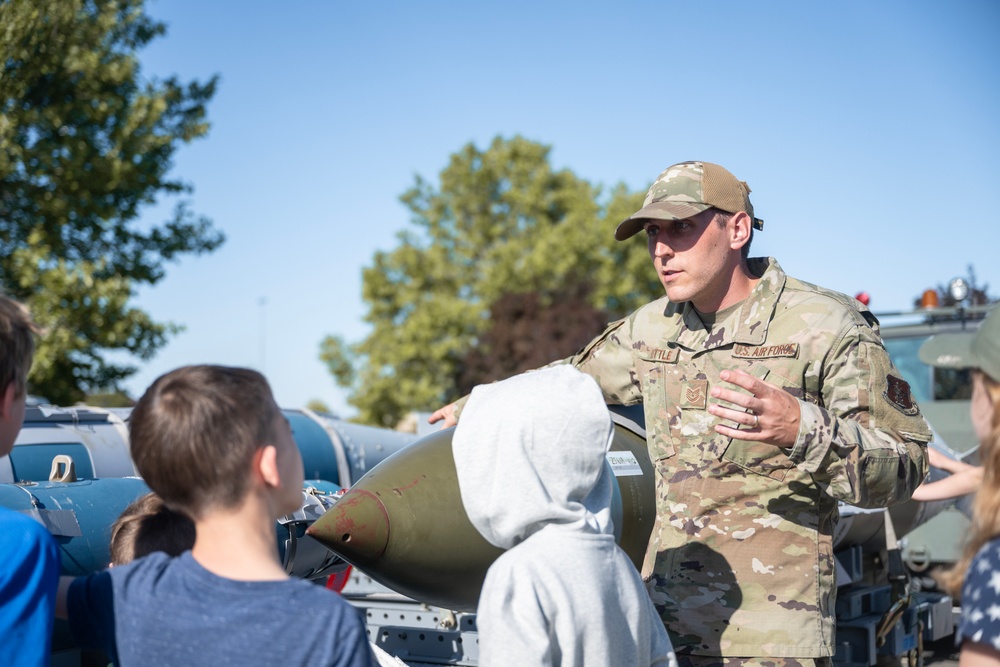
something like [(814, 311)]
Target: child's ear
[(7, 400), (267, 465)]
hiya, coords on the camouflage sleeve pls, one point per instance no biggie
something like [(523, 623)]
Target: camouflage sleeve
[(460, 405), (866, 443), (608, 359)]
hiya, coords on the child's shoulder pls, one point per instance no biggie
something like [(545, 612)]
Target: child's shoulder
[(143, 576), (313, 593), (32, 538)]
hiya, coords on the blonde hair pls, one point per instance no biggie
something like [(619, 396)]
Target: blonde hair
[(986, 508)]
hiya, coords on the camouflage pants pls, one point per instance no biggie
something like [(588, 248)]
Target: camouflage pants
[(715, 661)]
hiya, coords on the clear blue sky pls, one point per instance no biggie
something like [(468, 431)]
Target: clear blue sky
[(868, 131)]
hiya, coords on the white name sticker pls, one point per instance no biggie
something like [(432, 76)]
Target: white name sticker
[(624, 464)]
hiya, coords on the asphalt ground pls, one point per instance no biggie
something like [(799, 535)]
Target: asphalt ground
[(942, 653)]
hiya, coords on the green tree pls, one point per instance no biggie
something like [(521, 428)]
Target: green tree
[(85, 146), (115, 399), (502, 222), (316, 405), (528, 330)]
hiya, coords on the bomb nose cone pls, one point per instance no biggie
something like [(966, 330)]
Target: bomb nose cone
[(356, 527), (404, 525)]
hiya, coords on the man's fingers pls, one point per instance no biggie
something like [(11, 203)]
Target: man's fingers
[(742, 434), (745, 401), (765, 402), (740, 379), (447, 413), (730, 414)]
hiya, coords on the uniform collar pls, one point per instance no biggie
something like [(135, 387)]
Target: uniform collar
[(748, 324)]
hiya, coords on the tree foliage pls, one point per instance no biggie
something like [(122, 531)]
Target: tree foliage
[(114, 399), (526, 333), (85, 146), (316, 405), (501, 222)]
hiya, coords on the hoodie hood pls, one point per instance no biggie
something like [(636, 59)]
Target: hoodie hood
[(530, 452)]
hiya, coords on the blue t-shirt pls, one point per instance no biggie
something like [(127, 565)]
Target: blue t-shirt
[(160, 611), (29, 576), (981, 598)]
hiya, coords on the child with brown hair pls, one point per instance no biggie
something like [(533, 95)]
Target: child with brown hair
[(212, 443), (147, 526), (28, 554)]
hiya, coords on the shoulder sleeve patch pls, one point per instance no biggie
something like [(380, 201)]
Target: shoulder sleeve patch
[(893, 408), (897, 393)]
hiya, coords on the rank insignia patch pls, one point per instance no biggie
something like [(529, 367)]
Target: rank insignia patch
[(694, 395), (897, 392)]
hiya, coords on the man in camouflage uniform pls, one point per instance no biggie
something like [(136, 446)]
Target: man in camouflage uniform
[(766, 400)]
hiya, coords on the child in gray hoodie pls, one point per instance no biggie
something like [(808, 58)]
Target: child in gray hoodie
[(530, 456)]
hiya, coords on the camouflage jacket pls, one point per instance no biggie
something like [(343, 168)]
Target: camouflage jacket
[(741, 555)]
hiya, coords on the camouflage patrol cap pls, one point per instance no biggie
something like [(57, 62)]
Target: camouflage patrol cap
[(967, 350), (686, 189)]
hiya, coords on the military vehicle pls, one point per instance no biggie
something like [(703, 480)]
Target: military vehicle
[(943, 395)]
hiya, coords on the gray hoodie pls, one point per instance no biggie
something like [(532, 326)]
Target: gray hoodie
[(530, 456)]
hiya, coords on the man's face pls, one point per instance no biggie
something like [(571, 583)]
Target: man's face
[(694, 259), (981, 409), (12, 418)]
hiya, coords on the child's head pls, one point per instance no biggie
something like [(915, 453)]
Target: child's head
[(200, 436), (147, 525), (981, 353), (530, 451), (984, 357), (17, 346)]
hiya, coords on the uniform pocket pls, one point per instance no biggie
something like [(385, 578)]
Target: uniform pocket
[(659, 412), (758, 457)]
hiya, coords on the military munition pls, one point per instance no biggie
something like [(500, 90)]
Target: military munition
[(96, 441), (79, 514), (74, 475), (404, 525)]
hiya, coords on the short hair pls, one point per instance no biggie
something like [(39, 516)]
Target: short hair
[(194, 434), (17, 344), (722, 219), (147, 525)]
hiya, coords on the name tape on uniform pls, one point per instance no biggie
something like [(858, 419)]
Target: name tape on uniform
[(766, 351)]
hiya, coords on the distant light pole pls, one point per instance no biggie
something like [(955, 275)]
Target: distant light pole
[(262, 302)]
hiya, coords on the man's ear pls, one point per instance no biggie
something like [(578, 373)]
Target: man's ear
[(7, 400), (739, 229), (266, 462)]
